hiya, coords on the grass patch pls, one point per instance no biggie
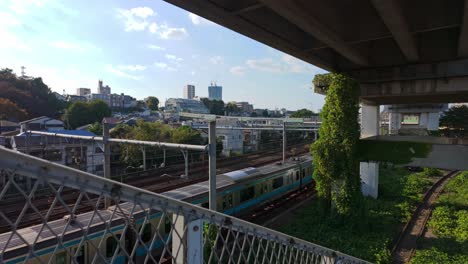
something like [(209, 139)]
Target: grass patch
[(449, 222), (368, 237)]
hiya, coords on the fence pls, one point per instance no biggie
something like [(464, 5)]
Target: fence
[(72, 226)]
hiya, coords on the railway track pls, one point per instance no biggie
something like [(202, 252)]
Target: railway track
[(405, 246), (13, 207)]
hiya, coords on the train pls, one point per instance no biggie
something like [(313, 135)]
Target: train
[(238, 192)]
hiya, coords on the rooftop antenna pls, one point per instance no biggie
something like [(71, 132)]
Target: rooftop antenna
[(23, 73)]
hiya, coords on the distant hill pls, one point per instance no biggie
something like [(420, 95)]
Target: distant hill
[(27, 97)]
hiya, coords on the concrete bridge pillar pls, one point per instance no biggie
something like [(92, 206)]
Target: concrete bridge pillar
[(369, 171)]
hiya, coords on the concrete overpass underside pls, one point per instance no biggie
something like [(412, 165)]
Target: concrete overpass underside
[(399, 50)]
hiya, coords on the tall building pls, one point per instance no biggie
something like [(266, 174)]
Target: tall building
[(103, 89), (215, 92), (189, 91), (83, 91)]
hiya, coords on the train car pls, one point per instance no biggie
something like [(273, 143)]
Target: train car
[(238, 192)]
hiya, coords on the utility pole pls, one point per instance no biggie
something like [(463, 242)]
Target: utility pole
[(107, 168), (284, 141), (212, 163)]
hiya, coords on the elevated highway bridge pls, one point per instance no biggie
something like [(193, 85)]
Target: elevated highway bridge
[(401, 52)]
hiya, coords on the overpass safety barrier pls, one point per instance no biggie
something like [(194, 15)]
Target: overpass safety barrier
[(69, 224)]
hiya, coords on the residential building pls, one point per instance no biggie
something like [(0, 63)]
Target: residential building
[(83, 91), (99, 96), (6, 126), (244, 107), (42, 123), (189, 91), (215, 92), (103, 89), (129, 101), (185, 105), (117, 101), (75, 98), (60, 96)]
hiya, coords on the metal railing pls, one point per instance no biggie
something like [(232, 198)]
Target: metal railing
[(139, 226)]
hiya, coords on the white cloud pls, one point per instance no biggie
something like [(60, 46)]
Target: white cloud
[(238, 70), (217, 60), (286, 64), (153, 28), (136, 19), (267, 64), (173, 58), (164, 66), (197, 20), (120, 73), (166, 32), (155, 47), (132, 67)]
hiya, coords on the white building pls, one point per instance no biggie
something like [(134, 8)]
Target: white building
[(83, 91), (185, 105), (189, 91)]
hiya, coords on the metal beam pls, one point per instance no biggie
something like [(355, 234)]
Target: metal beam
[(463, 38), (304, 20), (221, 16), (125, 141), (392, 16)]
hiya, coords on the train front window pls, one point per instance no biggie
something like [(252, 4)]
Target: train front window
[(247, 194), (278, 182)]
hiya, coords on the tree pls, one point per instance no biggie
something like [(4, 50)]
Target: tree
[(265, 113), (216, 107), (152, 103), (302, 113), (231, 108), (30, 94), (336, 166), (186, 135), (11, 111), (95, 128), (455, 122), (253, 114), (81, 113)]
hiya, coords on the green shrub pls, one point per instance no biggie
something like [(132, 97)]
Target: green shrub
[(431, 172)]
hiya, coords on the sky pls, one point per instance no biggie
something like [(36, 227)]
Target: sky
[(147, 48)]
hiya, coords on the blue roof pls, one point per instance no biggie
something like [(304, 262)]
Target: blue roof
[(75, 132), (67, 132)]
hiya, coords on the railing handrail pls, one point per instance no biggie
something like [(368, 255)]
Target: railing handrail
[(37, 168), (126, 141)]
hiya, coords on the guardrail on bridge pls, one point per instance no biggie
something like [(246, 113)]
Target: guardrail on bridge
[(71, 225)]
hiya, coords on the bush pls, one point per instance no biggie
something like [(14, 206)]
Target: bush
[(431, 172)]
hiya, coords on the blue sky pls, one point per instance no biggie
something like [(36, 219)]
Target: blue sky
[(147, 47)]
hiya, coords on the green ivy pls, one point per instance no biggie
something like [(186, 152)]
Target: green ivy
[(335, 152)]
